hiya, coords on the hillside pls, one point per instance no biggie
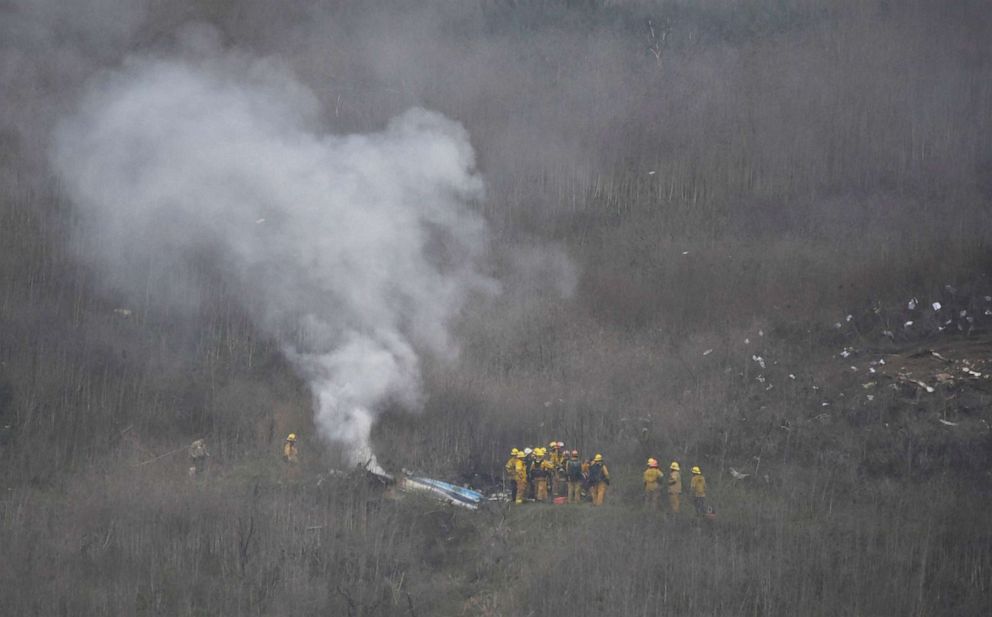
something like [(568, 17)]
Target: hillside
[(740, 235)]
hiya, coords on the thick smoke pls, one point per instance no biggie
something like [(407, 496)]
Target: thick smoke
[(353, 251)]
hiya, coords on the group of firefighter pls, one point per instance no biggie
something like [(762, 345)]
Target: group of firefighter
[(543, 474)]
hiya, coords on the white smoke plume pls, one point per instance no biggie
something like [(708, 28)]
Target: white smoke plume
[(353, 251)]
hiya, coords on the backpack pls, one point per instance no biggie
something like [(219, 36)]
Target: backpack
[(574, 470), (596, 473)]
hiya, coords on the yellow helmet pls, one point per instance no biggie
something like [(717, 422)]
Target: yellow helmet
[(652, 462), (540, 452), (291, 437), (521, 455), (513, 452), (553, 444), (697, 471), (674, 466), (598, 458)]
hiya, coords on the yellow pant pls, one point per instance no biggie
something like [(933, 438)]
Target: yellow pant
[(521, 488), (575, 491), (674, 500), (598, 493), (541, 489)]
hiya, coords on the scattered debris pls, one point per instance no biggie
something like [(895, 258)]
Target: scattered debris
[(738, 475), (936, 306), (947, 422), (707, 352)]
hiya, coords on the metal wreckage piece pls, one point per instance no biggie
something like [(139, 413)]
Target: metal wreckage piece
[(438, 489)]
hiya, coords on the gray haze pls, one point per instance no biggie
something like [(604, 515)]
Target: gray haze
[(353, 251)]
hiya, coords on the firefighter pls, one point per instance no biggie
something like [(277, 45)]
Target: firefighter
[(557, 459), (674, 487), (574, 477), (198, 454), (520, 471), (529, 463), (651, 489), (290, 453), (539, 474), (599, 478), (509, 472), (698, 486)]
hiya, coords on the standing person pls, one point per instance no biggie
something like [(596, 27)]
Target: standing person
[(674, 487), (198, 454), (510, 475), (651, 488), (529, 464), (539, 471), (574, 477), (520, 471), (698, 486), (557, 459), (290, 453), (599, 478)]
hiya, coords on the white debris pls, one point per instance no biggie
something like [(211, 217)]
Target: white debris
[(760, 378), (881, 361), (936, 306), (849, 318), (871, 370), (651, 173), (707, 352), (947, 422), (761, 332), (971, 372), (824, 404), (888, 333), (259, 221), (770, 386), (738, 475), (747, 341), (871, 397), (907, 324), (792, 377), (837, 325), (854, 368), (845, 353), (685, 252), (963, 313), (911, 305), (759, 360)]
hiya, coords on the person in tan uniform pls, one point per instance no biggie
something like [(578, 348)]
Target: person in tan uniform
[(599, 478), (520, 471), (575, 477), (290, 453), (510, 473), (674, 487), (698, 487), (651, 488), (541, 471)]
